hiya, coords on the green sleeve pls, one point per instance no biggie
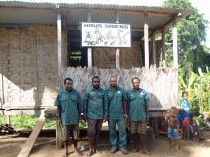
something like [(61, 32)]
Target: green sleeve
[(105, 104), (57, 101), (85, 103), (124, 95), (79, 100), (147, 98), (127, 96)]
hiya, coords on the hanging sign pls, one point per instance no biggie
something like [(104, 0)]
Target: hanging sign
[(105, 35)]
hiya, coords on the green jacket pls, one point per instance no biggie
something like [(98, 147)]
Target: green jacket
[(70, 103), (137, 102), (115, 102), (94, 103)]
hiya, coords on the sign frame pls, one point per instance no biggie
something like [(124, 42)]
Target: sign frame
[(105, 35)]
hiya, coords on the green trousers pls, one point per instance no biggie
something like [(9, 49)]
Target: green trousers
[(113, 137)]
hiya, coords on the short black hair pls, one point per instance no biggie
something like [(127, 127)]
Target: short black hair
[(135, 78), (113, 77), (184, 92), (97, 77), (67, 79)]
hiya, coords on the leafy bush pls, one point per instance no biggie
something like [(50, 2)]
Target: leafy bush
[(26, 121), (30, 121), (198, 87)]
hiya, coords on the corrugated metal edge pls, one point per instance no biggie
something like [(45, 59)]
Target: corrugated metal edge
[(50, 5)]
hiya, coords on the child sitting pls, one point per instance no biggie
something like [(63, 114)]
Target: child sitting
[(196, 128)]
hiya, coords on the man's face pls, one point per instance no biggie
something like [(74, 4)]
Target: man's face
[(96, 83), (68, 85), (136, 84), (113, 82)]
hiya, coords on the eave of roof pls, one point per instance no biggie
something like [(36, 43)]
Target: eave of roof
[(30, 12)]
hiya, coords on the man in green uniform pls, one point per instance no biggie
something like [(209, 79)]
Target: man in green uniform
[(117, 113), (95, 110), (69, 107), (138, 115)]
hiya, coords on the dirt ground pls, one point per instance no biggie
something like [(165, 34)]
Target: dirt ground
[(10, 146)]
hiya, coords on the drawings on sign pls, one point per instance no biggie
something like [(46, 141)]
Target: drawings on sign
[(105, 35)]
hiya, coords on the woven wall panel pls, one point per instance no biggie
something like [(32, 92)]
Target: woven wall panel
[(29, 66), (105, 58), (131, 57), (160, 83)]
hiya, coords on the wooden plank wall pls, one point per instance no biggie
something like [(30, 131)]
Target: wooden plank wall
[(29, 66)]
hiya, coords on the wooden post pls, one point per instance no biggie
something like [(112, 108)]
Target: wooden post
[(118, 50), (58, 136), (154, 50), (89, 50), (58, 128), (8, 119), (175, 54), (163, 45), (59, 42), (146, 41), (156, 127), (2, 80)]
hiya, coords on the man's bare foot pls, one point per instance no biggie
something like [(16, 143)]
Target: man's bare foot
[(170, 146), (76, 151), (91, 152), (135, 150), (65, 155), (147, 153), (97, 151)]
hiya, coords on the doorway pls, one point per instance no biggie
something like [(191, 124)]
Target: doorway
[(77, 55)]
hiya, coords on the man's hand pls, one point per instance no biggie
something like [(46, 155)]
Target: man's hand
[(59, 122), (81, 117), (105, 119), (85, 118), (125, 116), (147, 118)]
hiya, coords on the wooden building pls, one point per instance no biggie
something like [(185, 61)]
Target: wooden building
[(40, 39)]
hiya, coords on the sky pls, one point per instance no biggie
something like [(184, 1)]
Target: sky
[(205, 9)]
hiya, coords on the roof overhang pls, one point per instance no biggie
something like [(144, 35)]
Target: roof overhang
[(19, 13)]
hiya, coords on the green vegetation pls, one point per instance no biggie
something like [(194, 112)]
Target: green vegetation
[(25, 121), (198, 86), (82, 124), (29, 122), (194, 56)]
